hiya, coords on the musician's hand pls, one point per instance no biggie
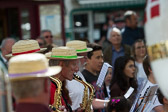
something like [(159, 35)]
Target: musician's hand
[(63, 109)]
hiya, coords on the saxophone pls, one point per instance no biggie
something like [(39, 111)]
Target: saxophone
[(86, 102), (85, 95), (92, 90), (57, 95)]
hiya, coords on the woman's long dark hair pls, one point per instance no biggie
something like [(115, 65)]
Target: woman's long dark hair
[(119, 76)]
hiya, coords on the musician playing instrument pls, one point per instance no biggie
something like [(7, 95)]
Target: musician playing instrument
[(78, 89), (66, 58)]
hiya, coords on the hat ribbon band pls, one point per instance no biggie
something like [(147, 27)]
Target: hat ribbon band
[(26, 52), (81, 50), (28, 74), (70, 57)]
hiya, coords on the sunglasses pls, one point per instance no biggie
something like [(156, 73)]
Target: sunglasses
[(49, 36)]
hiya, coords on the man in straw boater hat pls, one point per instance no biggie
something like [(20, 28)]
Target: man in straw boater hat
[(77, 94), (25, 47), (29, 76), (75, 88), (66, 58)]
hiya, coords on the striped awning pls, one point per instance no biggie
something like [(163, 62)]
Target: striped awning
[(109, 3)]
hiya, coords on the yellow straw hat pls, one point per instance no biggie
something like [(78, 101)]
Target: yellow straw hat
[(25, 47), (33, 65), (63, 53), (79, 45)]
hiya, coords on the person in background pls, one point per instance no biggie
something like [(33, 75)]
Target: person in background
[(123, 77), (48, 37), (163, 100), (104, 41), (107, 82), (6, 48), (154, 105), (139, 52), (91, 72), (115, 49), (131, 32), (31, 84), (118, 104), (42, 42)]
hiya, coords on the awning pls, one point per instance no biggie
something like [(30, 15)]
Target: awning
[(109, 3)]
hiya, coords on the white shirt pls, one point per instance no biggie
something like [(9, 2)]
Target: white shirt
[(155, 102), (141, 73), (108, 92), (76, 90)]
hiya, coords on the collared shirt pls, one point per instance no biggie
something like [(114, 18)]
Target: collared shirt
[(31, 107), (116, 54)]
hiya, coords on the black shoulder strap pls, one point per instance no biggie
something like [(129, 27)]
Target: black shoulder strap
[(53, 82)]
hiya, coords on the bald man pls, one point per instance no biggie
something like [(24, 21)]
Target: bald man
[(6, 48)]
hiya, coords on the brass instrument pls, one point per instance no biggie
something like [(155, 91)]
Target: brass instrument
[(57, 95), (91, 89), (86, 102), (85, 96)]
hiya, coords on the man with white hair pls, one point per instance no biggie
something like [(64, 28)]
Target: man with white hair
[(115, 49)]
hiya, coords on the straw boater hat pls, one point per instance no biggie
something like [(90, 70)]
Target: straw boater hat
[(63, 53), (25, 47), (33, 65), (80, 46)]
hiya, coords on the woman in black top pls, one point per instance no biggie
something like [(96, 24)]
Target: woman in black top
[(123, 76)]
